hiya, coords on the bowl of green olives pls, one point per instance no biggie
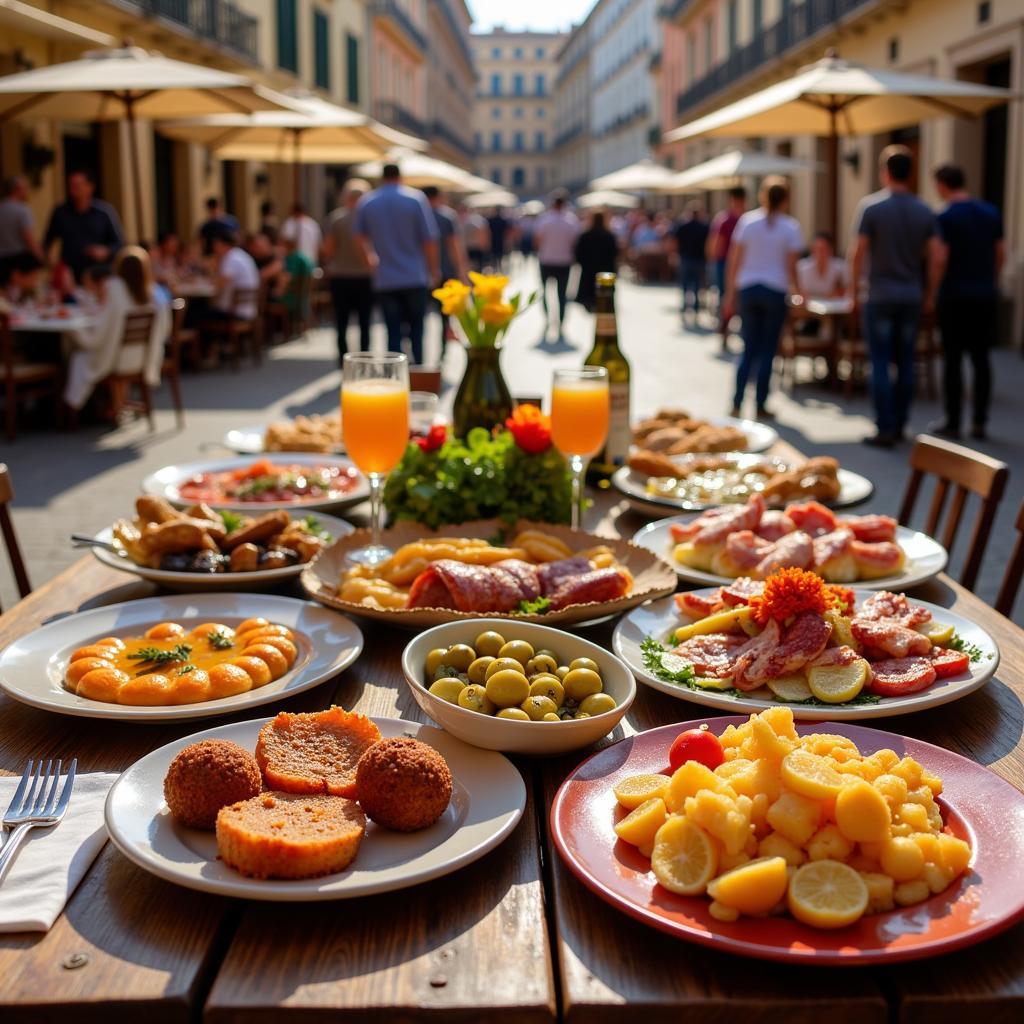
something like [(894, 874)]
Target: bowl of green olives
[(517, 687)]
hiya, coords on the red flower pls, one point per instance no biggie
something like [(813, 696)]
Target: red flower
[(530, 428), (436, 437)]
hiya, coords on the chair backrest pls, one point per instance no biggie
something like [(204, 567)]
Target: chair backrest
[(1014, 571), (6, 347), (137, 328), (7, 529), (964, 472), (244, 298)]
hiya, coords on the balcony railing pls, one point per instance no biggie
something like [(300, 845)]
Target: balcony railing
[(797, 25), (439, 130), (216, 21), (397, 116), (393, 10)]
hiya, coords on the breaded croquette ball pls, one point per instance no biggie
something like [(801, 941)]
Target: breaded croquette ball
[(209, 775), (403, 784)]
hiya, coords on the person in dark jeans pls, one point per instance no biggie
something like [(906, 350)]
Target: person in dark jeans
[(404, 310), (348, 274), (971, 251), (691, 235), (895, 233)]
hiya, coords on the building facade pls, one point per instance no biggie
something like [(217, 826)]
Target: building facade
[(716, 51), (572, 142), (514, 122), (451, 82)]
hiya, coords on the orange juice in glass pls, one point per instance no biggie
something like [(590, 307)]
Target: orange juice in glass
[(375, 428), (579, 422)]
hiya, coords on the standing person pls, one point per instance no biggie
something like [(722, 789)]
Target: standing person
[(478, 238), (87, 228), (397, 232), (762, 267), (895, 232), (17, 226), (269, 225), (452, 258), (971, 251), (301, 229), (555, 236), (597, 251), (217, 221), (498, 225), (723, 224), (691, 235), (348, 273)]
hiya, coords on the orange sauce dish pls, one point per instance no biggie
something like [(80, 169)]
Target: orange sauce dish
[(172, 665)]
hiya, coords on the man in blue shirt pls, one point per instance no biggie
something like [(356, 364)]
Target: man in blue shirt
[(972, 252), (218, 220), (87, 228), (397, 231)]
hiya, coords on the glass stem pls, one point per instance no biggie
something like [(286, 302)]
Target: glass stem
[(576, 464), (376, 481)]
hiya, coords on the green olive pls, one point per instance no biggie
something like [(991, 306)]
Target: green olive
[(550, 717), (477, 672), (585, 663), (581, 682), (518, 649), (541, 663), (547, 653), (548, 686), (507, 689), (597, 704), (581, 714), (538, 707), (562, 671), (489, 643), (474, 698), (448, 689), (460, 656), (517, 713), (435, 659), (502, 665)]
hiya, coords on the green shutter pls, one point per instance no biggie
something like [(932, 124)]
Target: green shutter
[(321, 51), (287, 36), (352, 67)]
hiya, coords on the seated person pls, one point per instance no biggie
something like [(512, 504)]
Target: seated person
[(821, 275), (292, 287), (19, 279), (166, 258), (265, 256), (236, 271)]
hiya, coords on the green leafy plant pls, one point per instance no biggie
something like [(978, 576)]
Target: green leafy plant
[(975, 653), (536, 607)]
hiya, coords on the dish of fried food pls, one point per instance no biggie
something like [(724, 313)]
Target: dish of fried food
[(403, 784), (675, 432), (304, 434), (203, 540), (169, 664), (290, 835), (209, 775), (314, 752)]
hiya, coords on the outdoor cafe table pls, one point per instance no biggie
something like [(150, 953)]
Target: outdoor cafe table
[(513, 937)]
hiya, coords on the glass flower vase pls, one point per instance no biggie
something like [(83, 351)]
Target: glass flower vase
[(483, 398)]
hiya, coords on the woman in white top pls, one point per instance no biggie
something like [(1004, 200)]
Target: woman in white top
[(762, 268), (98, 352)]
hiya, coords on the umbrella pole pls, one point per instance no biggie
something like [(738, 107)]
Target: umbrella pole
[(833, 170), (296, 167), (133, 145)]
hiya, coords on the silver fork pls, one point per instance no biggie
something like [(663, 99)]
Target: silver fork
[(35, 805)]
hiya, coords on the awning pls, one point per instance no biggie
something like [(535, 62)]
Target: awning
[(50, 26)]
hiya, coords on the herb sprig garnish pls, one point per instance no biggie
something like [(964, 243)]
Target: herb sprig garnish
[(219, 640), (975, 653), (536, 607), (156, 656)]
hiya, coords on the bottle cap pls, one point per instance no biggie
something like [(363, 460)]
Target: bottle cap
[(605, 279)]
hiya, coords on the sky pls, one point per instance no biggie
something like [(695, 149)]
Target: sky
[(542, 15)]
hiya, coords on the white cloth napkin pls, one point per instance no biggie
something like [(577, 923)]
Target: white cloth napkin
[(52, 861)]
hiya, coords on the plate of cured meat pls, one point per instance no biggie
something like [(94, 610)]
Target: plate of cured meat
[(730, 541), (528, 571), (826, 651)]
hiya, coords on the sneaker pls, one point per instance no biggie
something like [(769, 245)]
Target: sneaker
[(978, 432), (880, 440), (943, 428)]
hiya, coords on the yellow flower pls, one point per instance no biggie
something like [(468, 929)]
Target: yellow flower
[(496, 314), (490, 287), (452, 295)]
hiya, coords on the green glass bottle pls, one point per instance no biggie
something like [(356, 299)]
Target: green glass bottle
[(606, 353)]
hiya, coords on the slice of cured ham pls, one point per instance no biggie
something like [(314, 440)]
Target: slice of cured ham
[(714, 654), (870, 528), (793, 550), (776, 652)]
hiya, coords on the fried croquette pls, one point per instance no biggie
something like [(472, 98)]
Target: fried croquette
[(206, 776), (315, 752), (290, 835), (403, 784)]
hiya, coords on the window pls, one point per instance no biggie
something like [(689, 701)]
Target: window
[(478, 141), (518, 85), (496, 53), (518, 53), (495, 84), (287, 36), (538, 141), (517, 142), (518, 177), (538, 84), (540, 53), (517, 113), (321, 51), (733, 18), (496, 175), (540, 177), (351, 68), (894, 50), (496, 113), (709, 44), (496, 142), (691, 58), (984, 12)]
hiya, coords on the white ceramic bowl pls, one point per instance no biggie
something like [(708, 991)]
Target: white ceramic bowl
[(509, 735)]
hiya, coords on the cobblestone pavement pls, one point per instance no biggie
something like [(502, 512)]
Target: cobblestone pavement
[(82, 481)]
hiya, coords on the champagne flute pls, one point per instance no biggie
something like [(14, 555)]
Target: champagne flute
[(579, 423), (375, 428)]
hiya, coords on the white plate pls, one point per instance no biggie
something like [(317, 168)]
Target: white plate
[(197, 581), (249, 440), (488, 798), (165, 482), (760, 437), (926, 557), (659, 618), (853, 489), (32, 668)]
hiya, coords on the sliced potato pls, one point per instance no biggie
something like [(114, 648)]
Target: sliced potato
[(721, 622)]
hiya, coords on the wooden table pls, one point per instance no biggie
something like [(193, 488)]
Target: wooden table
[(511, 938)]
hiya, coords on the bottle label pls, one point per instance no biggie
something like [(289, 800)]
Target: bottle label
[(616, 450), (604, 323)]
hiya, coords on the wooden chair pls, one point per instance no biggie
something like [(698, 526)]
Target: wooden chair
[(1014, 571), (138, 327), (181, 338), (927, 352), (966, 472), (291, 314), (22, 379), (236, 332), (7, 529), (793, 344)]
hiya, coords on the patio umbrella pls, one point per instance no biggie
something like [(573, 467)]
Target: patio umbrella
[(532, 208), (305, 129), (419, 171), (496, 197), (726, 170), (835, 97), (126, 83), (639, 177), (607, 197)]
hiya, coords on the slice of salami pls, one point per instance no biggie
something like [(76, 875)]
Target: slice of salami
[(896, 677), (596, 585), (552, 574)]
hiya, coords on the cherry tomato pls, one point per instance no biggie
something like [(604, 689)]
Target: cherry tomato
[(897, 677), (948, 662), (696, 745)]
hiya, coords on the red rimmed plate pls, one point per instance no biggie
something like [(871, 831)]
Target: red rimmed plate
[(977, 805)]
